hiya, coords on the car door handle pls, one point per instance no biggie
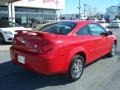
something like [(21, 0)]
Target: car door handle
[(98, 40)]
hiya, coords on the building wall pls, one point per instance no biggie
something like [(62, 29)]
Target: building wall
[(25, 15), (113, 9), (112, 12), (34, 15), (51, 4), (31, 12)]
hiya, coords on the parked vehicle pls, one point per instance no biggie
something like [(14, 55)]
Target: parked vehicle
[(7, 31), (102, 22), (62, 47), (114, 24)]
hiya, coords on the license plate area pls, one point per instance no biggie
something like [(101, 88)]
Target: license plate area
[(21, 59)]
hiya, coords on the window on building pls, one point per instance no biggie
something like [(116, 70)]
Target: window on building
[(49, 17), (49, 11), (3, 8)]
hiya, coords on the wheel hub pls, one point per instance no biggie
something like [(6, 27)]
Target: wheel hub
[(77, 68)]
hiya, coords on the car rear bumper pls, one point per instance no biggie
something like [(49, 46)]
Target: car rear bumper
[(46, 65)]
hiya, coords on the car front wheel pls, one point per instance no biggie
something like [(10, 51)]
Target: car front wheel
[(76, 68), (113, 50)]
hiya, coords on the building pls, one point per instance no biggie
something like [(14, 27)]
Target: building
[(28, 12), (112, 12)]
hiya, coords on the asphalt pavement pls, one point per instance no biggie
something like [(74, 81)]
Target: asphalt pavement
[(103, 74), (5, 47)]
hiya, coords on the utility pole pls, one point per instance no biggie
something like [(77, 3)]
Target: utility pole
[(79, 7), (11, 12), (56, 3), (85, 10), (28, 15)]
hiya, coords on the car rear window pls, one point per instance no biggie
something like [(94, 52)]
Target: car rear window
[(62, 28)]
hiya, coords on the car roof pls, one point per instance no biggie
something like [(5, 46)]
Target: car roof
[(79, 21), (76, 21), (79, 24)]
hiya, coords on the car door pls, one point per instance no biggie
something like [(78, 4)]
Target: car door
[(101, 42), (87, 42)]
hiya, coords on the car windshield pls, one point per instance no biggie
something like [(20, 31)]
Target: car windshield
[(4, 24), (62, 28)]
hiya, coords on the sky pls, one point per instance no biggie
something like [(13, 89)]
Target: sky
[(101, 5)]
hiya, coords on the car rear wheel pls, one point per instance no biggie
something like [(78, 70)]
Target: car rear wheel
[(1, 39), (76, 68), (113, 50)]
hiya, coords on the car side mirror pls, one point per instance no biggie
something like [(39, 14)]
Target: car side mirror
[(104, 34), (110, 33)]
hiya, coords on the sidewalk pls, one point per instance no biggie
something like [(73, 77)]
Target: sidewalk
[(5, 47)]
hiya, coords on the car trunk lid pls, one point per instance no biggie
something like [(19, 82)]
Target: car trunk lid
[(36, 42)]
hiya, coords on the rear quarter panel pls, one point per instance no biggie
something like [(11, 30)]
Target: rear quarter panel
[(68, 46)]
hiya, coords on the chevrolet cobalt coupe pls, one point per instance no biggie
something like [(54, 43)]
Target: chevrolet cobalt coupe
[(63, 47)]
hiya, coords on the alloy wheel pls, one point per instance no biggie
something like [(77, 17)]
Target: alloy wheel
[(76, 69), (113, 50)]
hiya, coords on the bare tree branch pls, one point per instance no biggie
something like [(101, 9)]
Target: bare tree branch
[(91, 12)]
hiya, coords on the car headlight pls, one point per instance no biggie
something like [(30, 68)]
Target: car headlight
[(8, 32)]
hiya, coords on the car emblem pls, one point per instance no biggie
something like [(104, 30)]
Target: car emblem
[(23, 42)]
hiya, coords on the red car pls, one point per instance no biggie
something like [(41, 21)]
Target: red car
[(62, 47)]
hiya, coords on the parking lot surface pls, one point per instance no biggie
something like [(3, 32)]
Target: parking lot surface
[(5, 47), (104, 74)]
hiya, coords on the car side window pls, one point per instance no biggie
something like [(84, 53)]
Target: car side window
[(84, 31), (61, 28), (96, 29)]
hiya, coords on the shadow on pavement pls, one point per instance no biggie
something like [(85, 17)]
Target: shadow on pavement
[(6, 44), (16, 78), (117, 53)]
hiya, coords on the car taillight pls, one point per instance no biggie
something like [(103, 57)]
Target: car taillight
[(45, 48), (42, 49), (35, 50)]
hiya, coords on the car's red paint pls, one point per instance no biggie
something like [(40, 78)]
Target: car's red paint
[(49, 53)]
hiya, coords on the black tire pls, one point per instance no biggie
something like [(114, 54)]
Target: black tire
[(113, 51), (76, 68), (1, 39)]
